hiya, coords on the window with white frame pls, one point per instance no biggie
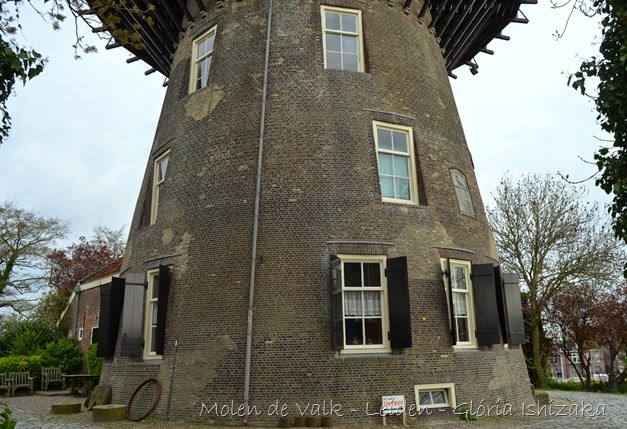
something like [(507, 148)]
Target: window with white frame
[(435, 395), (160, 169), (150, 319), (574, 358), (364, 303), (395, 158), (202, 56), (460, 301), (461, 287), (79, 336), (342, 39)]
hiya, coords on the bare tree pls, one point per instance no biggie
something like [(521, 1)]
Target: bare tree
[(25, 240), (547, 234)]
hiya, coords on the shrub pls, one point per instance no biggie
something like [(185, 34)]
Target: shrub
[(6, 422), (32, 364), (94, 363), (63, 353)]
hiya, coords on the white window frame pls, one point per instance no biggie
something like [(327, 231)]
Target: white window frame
[(366, 348), (91, 338), (360, 34), (195, 60), (449, 391), (156, 185), (151, 306), (470, 302), (79, 335), (574, 357), (413, 181)]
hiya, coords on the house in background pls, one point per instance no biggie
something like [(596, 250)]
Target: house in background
[(82, 311), (562, 368)]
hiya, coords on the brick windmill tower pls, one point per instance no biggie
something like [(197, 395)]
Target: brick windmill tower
[(309, 227)]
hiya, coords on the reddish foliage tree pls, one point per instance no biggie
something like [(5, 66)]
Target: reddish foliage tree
[(612, 329), (78, 260), (574, 320)]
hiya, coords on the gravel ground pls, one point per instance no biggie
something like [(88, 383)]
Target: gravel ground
[(568, 410)]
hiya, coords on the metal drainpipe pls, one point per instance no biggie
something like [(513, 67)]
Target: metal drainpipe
[(253, 259), (77, 291)]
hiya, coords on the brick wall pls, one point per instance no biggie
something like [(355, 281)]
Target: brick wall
[(319, 195)]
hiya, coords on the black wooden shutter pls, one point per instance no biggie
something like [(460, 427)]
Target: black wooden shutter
[(515, 322), (162, 307), (111, 302), (398, 303), (132, 317), (451, 308), (486, 312), (500, 302), (337, 311)]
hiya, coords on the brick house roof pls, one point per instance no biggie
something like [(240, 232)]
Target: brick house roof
[(106, 271)]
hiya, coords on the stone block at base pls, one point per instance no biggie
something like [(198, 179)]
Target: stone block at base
[(70, 408), (108, 413)]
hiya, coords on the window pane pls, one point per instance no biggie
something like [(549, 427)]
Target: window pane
[(402, 189), (400, 141), (352, 304), (209, 43), (354, 331), (349, 23), (459, 278), (373, 331), (401, 167), (201, 50), (372, 303), (334, 60), (333, 42), (438, 397), (462, 329), (384, 138), (153, 339), (332, 21), (352, 274), (349, 44), (154, 313), (459, 304), (387, 186), (350, 62), (163, 166), (372, 274), (386, 164), (425, 398), (155, 287), (206, 65)]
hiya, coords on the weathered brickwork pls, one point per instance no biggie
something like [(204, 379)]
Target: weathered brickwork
[(320, 196)]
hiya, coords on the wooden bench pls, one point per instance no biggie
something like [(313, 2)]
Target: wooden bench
[(51, 375), (20, 379), (5, 384)]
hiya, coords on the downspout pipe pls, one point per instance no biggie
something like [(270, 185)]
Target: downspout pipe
[(253, 259), (77, 290)]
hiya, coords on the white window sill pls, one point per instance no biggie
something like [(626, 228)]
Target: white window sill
[(458, 347)]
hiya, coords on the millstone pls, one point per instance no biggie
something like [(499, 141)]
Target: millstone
[(100, 396), (108, 413), (69, 408)]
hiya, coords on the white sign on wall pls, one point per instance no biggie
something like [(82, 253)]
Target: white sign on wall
[(392, 405)]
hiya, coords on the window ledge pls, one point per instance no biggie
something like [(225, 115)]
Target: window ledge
[(465, 347), (386, 355)]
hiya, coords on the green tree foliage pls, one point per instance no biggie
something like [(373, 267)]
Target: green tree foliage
[(24, 337), (25, 242), (63, 353), (32, 364), (610, 98), (6, 422), (94, 363), (551, 238)]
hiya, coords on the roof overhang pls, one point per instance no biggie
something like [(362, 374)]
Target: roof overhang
[(463, 27)]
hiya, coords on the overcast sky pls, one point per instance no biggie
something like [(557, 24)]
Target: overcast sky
[(83, 129)]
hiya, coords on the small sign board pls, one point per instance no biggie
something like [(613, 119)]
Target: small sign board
[(392, 405)]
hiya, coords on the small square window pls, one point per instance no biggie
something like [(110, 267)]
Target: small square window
[(435, 395), (94, 335), (202, 57), (79, 336), (342, 39), (395, 158)]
